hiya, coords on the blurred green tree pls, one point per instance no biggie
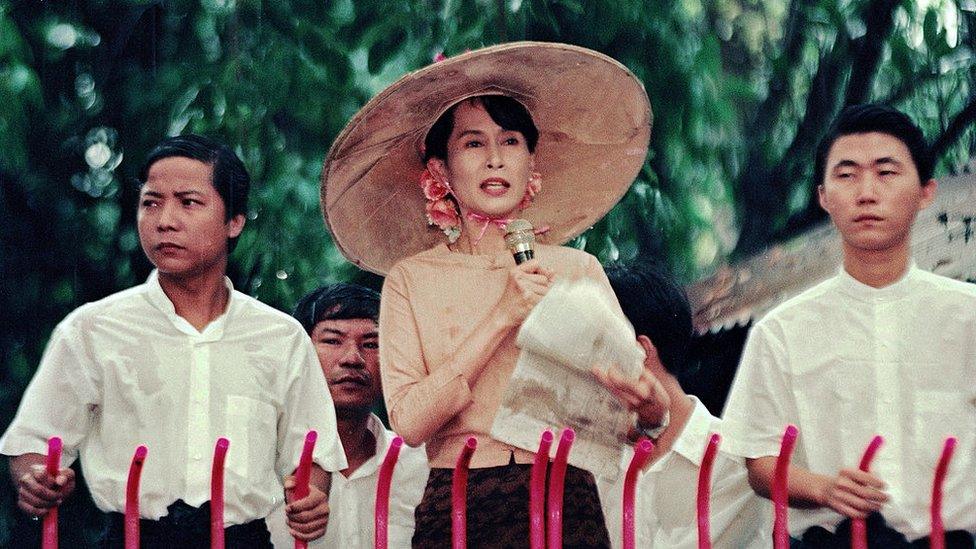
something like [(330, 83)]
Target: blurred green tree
[(741, 91)]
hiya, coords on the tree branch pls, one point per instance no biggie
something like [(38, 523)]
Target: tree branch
[(764, 191), (957, 126), (779, 85), (878, 17)]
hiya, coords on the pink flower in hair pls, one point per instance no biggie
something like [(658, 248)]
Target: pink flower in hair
[(444, 214), (532, 188), (441, 210), (433, 189)]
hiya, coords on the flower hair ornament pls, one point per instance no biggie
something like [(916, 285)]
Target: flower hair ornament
[(442, 210)]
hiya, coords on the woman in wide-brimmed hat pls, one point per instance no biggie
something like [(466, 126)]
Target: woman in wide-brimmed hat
[(419, 187)]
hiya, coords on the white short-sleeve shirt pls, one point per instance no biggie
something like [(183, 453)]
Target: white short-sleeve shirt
[(127, 370), (352, 500), (666, 502), (843, 362)]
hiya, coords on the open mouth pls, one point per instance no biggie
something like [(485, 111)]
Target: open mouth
[(495, 186)]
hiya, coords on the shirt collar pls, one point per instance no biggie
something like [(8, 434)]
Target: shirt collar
[(893, 291), (384, 439), (691, 442), (212, 332)]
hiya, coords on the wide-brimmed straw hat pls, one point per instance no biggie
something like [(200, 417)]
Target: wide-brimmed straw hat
[(594, 122)]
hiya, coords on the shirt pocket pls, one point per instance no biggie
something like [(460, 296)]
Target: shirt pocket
[(252, 435)]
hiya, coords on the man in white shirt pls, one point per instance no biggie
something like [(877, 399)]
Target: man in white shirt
[(174, 364), (882, 348), (666, 491), (341, 320)]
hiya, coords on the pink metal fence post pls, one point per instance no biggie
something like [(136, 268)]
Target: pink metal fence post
[(859, 529), (217, 494), (537, 491), (49, 532), (132, 499), (557, 478), (937, 537), (705, 491), (459, 492), (302, 475), (780, 491), (381, 509), (642, 453)]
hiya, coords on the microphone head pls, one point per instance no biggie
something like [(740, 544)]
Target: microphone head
[(519, 231), (520, 239)]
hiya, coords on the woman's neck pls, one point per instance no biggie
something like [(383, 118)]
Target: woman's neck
[(478, 239)]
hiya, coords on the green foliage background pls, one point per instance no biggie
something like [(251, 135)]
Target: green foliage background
[(741, 91)]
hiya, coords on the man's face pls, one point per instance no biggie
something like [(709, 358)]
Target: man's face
[(871, 190), (181, 218), (349, 354)]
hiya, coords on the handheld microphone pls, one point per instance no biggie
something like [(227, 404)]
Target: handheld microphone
[(520, 238)]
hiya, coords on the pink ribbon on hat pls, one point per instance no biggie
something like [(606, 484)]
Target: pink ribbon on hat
[(499, 222)]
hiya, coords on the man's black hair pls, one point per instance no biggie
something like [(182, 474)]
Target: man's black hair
[(503, 110), (341, 301), (870, 118), (658, 308), (230, 178)]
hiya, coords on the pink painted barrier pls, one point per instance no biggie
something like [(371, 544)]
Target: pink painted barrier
[(459, 492), (381, 509), (132, 499), (780, 490), (642, 453), (537, 491), (217, 494), (557, 479), (859, 529), (49, 532), (303, 473), (705, 492), (937, 537)]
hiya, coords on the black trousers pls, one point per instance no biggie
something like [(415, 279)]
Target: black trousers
[(185, 527), (880, 536)]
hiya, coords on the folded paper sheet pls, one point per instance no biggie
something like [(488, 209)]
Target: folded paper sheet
[(575, 327)]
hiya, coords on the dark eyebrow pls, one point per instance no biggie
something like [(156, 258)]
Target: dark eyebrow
[(153, 194), (845, 164), (887, 160), (373, 334), (183, 194), (470, 132)]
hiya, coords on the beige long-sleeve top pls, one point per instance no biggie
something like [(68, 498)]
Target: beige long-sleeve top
[(431, 302)]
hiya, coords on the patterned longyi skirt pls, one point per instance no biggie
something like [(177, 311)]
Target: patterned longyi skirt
[(498, 509)]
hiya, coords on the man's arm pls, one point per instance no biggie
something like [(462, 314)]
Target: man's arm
[(852, 493), (308, 517), (37, 491)]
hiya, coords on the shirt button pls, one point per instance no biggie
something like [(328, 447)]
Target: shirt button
[(197, 457)]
